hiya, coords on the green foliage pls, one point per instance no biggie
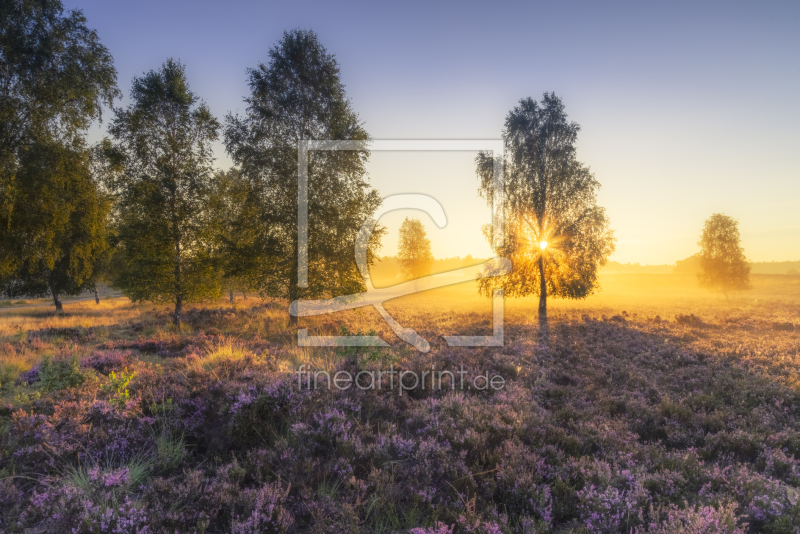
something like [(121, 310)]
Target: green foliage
[(56, 76), (58, 374), (137, 470), (227, 202), (117, 386), (170, 450), (549, 196), (10, 370), (365, 354), (298, 96), (57, 229), (170, 446), (160, 171), (25, 400), (723, 265), (414, 249)]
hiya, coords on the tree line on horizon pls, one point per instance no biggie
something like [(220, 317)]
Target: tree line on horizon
[(691, 265), (146, 211)]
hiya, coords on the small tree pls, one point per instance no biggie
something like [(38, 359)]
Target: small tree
[(688, 265), (160, 172), (227, 202), (724, 267), (103, 270), (557, 237), (298, 96), (414, 250)]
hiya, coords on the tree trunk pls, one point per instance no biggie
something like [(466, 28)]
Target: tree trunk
[(178, 284), (244, 295), (544, 327), (294, 285), (57, 302), (96, 296), (176, 320), (230, 293), (292, 297), (178, 274), (178, 311), (542, 292)]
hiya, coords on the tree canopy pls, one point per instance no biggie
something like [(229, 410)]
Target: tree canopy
[(297, 96), (55, 76), (723, 265), (556, 235), (58, 226), (160, 172), (227, 202)]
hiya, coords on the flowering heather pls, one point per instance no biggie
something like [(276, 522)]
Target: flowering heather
[(620, 424)]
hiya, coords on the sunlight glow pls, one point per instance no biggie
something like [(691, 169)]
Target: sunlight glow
[(543, 245)]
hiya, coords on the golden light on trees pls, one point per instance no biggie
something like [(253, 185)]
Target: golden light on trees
[(550, 202), (724, 265), (414, 249)]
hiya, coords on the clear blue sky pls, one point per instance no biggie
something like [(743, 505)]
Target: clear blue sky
[(687, 108)]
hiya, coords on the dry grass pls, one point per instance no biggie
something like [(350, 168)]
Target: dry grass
[(223, 353), (636, 383), (453, 310), (85, 314)]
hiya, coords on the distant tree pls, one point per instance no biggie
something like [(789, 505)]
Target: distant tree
[(103, 271), (58, 224), (724, 267), (228, 201), (160, 172), (298, 96), (55, 76), (414, 250), (557, 238), (688, 265)]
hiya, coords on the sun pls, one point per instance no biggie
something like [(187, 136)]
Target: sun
[(543, 245)]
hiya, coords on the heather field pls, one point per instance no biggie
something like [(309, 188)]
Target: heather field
[(652, 407)]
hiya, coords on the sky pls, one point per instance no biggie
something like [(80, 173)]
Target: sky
[(686, 108)]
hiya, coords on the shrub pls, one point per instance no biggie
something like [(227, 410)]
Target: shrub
[(117, 387), (11, 368), (106, 361), (267, 513), (695, 520), (57, 374)]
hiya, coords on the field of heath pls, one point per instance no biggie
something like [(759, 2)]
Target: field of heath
[(650, 407)]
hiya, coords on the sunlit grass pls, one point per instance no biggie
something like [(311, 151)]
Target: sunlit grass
[(12, 365), (85, 314), (225, 350), (591, 389), (453, 310)]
